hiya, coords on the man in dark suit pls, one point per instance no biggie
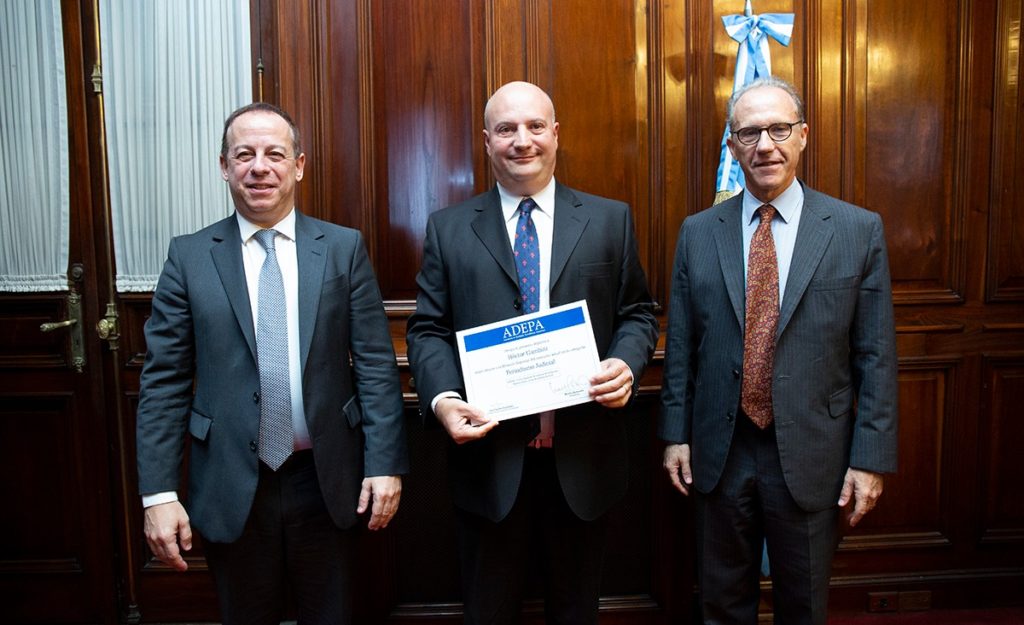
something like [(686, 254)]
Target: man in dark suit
[(295, 424), (535, 485), (777, 435)]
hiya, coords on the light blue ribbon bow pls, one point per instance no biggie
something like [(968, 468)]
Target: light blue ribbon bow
[(752, 30)]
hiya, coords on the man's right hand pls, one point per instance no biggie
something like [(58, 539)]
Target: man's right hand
[(165, 527), (677, 463), (464, 422)]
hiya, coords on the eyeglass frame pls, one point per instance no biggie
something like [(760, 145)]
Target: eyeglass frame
[(763, 129)]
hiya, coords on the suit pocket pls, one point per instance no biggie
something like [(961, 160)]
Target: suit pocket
[(353, 413), (840, 402), (596, 270), (199, 426), (833, 284), (337, 283)]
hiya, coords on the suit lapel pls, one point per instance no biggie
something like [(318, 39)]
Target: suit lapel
[(489, 226), (729, 243), (227, 259), (311, 254), (812, 239), (570, 222)]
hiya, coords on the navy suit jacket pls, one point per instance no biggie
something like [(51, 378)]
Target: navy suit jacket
[(834, 387), (468, 278), (201, 332)]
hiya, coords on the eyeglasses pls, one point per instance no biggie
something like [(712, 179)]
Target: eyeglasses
[(777, 132)]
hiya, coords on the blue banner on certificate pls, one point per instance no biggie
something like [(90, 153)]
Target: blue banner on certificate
[(530, 364)]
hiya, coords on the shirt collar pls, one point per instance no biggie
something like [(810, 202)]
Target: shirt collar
[(284, 227), (786, 205), (545, 199)]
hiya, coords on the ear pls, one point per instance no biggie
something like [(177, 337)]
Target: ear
[(223, 167), (300, 166), (732, 147), (487, 142)]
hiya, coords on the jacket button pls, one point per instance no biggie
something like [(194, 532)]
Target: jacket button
[(736, 373), (517, 303), (256, 397), (253, 446), (729, 417)]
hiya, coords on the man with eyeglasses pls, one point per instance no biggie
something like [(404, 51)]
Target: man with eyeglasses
[(269, 353), (779, 402)]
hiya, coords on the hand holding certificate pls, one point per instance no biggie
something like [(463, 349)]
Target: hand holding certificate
[(530, 364)]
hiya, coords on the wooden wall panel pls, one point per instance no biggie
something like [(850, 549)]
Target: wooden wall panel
[(426, 80), (913, 506), (599, 150), (908, 155), (1002, 436), (1005, 279)]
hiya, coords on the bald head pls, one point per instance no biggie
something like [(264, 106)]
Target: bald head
[(517, 91)]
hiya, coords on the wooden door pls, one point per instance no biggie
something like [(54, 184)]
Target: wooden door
[(58, 551)]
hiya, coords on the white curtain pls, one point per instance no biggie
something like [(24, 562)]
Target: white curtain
[(34, 193), (172, 72)]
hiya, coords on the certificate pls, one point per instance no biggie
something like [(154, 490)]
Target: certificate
[(531, 363)]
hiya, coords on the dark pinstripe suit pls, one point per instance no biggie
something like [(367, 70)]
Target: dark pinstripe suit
[(835, 350)]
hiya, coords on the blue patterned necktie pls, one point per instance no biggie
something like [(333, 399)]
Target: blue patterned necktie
[(527, 253), (276, 436)]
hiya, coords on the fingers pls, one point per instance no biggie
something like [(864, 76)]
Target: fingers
[(677, 483), (386, 491), (612, 386), (864, 487), (466, 431), (859, 510), (364, 496), (185, 536), (847, 492), (464, 422), (677, 463), (164, 525)]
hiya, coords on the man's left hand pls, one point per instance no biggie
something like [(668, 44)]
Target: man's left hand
[(864, 487), (385, 491), (612, 386)]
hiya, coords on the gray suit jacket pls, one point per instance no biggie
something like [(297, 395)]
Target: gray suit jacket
[(201, 331), (468, 278), (834, 389)]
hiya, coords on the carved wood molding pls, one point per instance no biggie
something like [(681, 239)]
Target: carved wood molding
[(1005, 269)]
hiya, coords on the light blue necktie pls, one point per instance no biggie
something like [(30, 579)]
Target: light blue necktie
[(276, 436), (527, 253)]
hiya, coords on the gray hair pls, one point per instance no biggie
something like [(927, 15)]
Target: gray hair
[(767, 81)]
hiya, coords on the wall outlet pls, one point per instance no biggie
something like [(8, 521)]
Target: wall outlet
[(883, 601)]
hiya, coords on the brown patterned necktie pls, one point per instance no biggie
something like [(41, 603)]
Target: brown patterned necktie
[(762, 319)]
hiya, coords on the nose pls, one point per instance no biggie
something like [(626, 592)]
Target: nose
[(765, 142), (521, 139), (260, 165)]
